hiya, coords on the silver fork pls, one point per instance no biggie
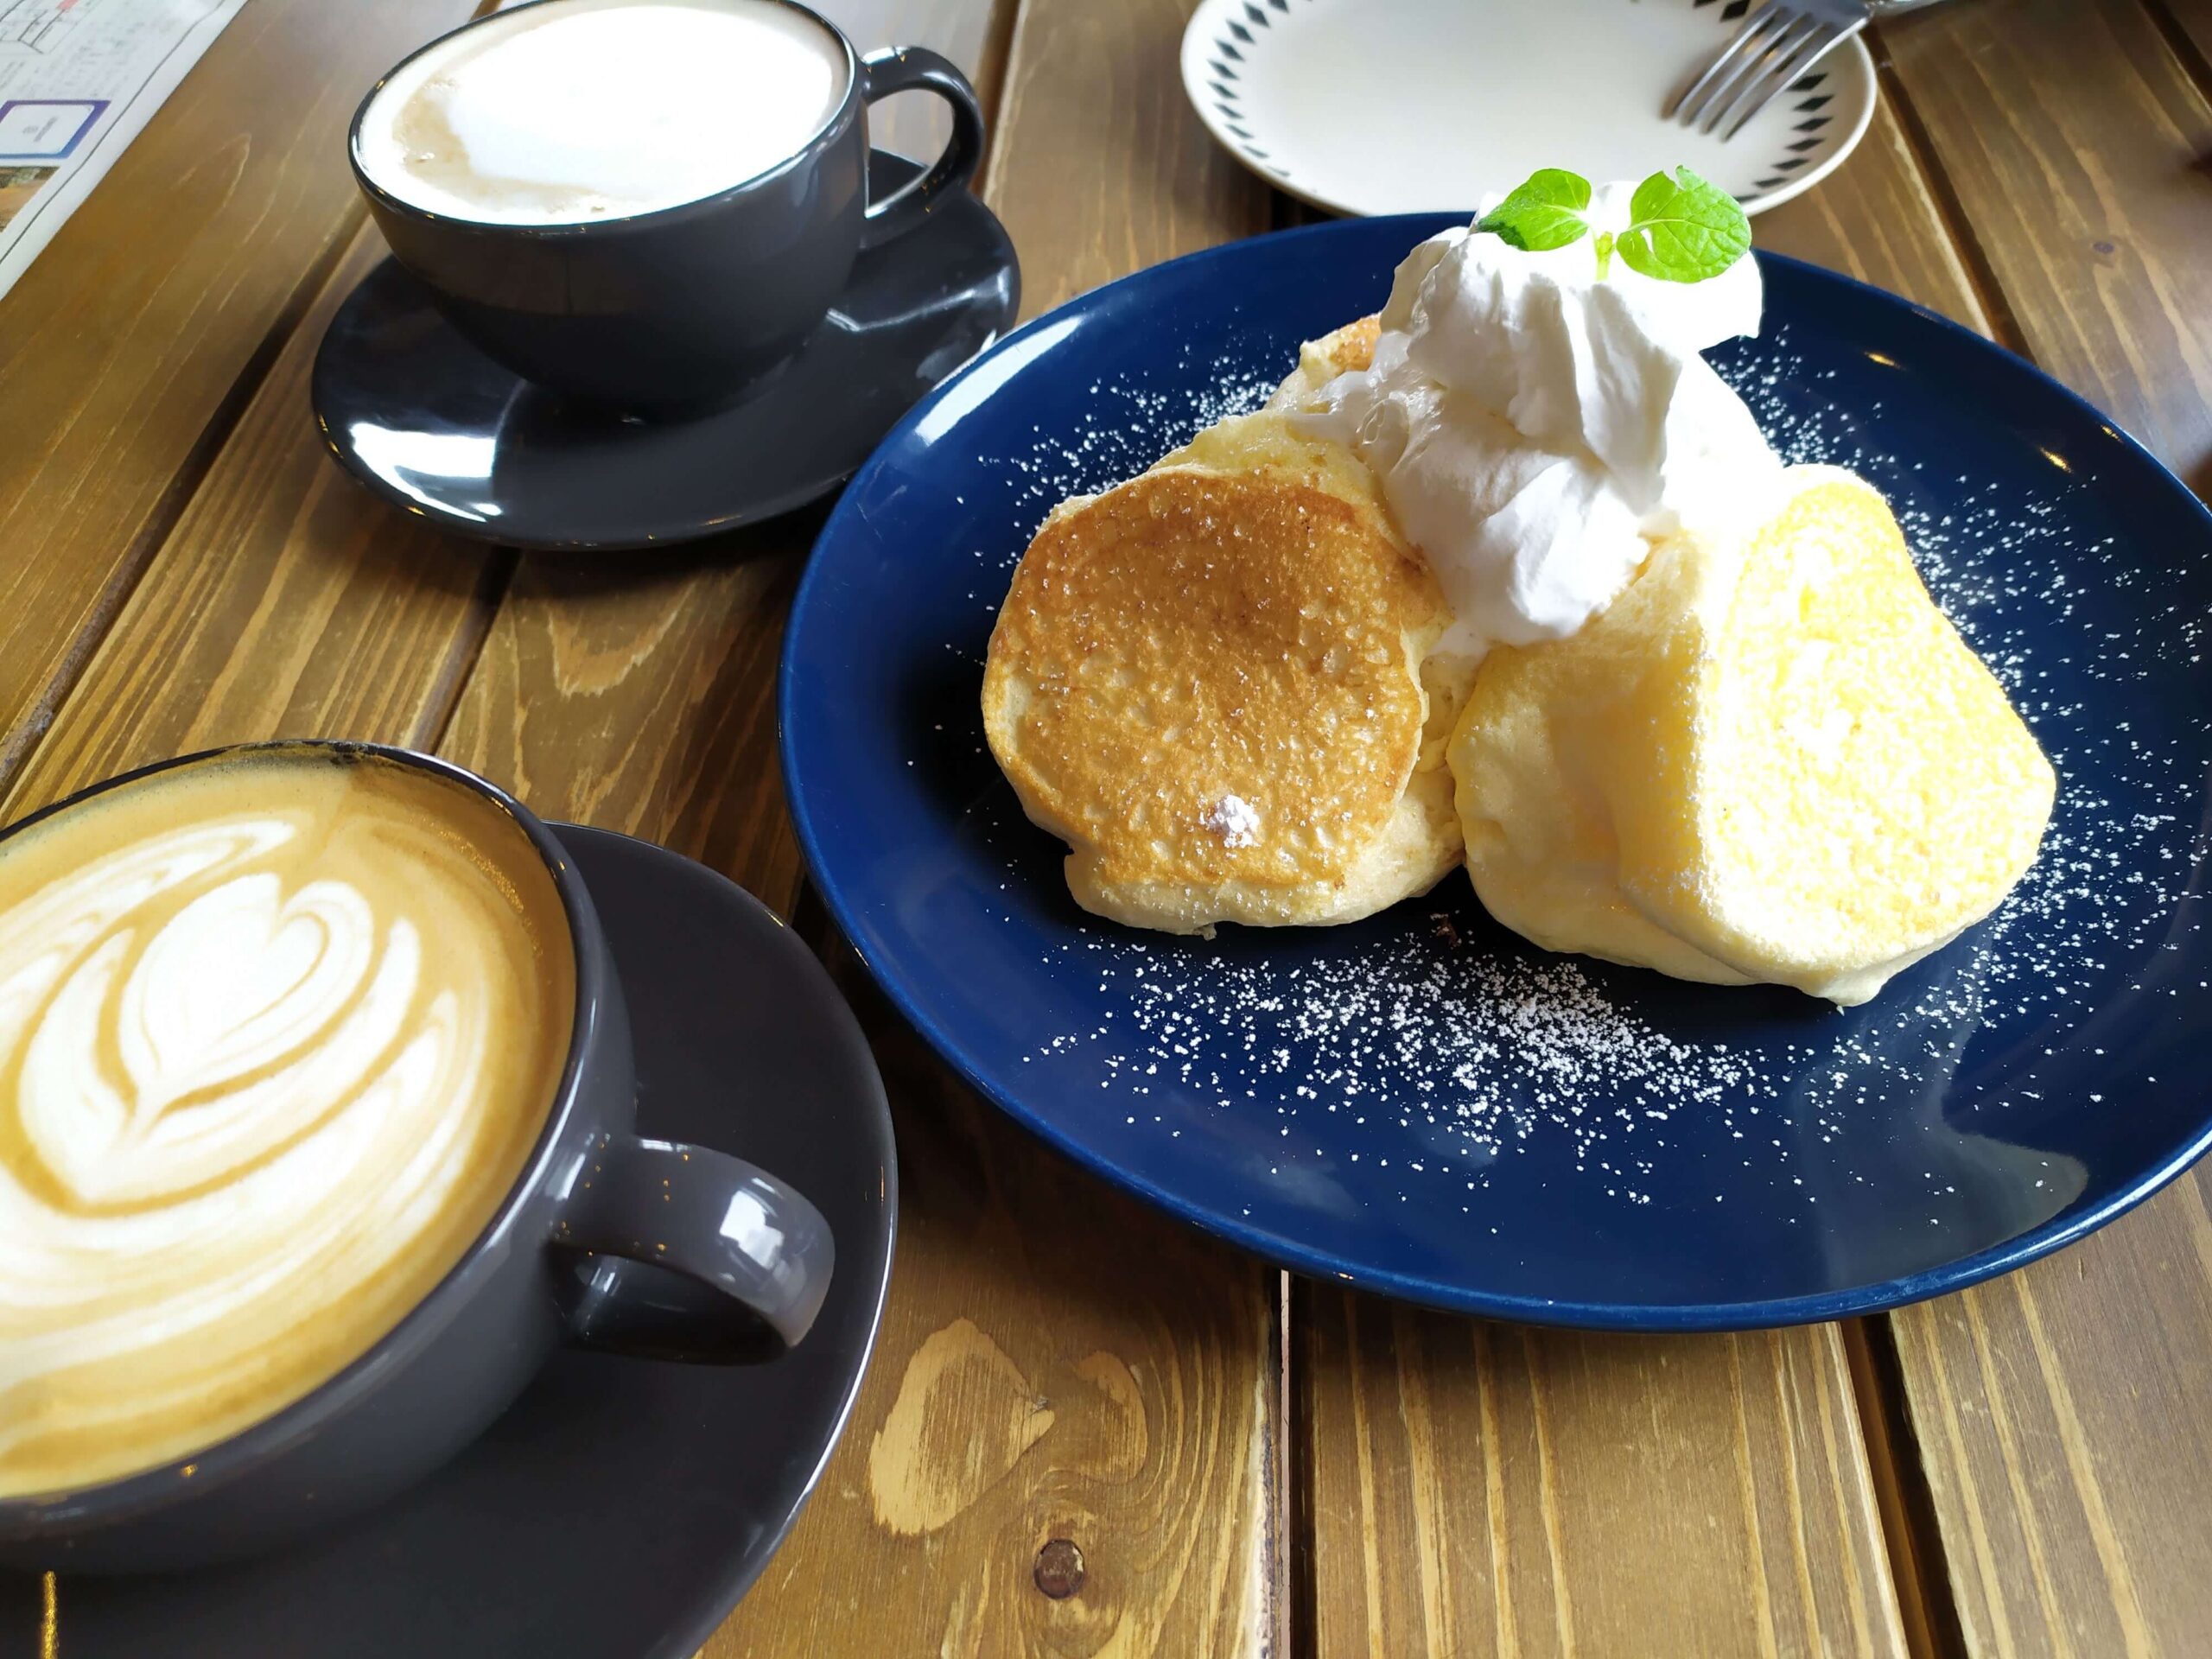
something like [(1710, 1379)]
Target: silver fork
[(1778, 45)]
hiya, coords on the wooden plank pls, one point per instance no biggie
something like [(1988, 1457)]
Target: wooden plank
[(2060, 1416), (1056, 1362), (1485, 1489), (1099, 156), (2188, 24), (135, 338), (1515, 1491), (637, 693), (1877, 218), (2058, 1412), (2071, 137), (1058, 1365), (972, 33), (287, 600)]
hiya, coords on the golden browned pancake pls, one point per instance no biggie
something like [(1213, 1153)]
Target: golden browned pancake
[(1207, 682)]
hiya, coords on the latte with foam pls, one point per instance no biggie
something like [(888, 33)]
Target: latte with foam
[(579, 110), (278, 1032)]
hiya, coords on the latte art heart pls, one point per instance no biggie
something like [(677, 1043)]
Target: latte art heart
[(246, 1018), (276, 1037)]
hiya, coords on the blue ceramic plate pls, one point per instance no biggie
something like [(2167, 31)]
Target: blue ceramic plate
[(1422, 1104)]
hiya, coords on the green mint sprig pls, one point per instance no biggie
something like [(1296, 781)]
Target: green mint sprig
[(1547, 210), (1681, 228)]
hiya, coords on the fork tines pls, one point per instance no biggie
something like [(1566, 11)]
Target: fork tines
[(1780, 42)]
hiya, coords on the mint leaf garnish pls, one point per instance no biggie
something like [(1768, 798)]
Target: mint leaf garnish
[(1545, 212), (1681, 229)]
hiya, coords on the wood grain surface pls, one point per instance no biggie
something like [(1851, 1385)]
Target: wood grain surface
[(1088, 1431), (1468, 1480), (637, 693), (1487, 1489), (2059, 1412), (1878, 220), (1063, 1376), (2188, 23), (135, 339), (2075, 145), (287, 600), (1065, 1384), (1068, 1442), (1100, 166)]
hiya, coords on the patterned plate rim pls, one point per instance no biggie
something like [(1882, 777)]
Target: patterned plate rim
[(1213, 15)]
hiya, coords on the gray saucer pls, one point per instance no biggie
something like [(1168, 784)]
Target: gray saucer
[(622, 1506), (429, 423)]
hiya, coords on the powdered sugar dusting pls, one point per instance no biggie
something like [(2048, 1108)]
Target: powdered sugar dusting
[(1450, 1056), (1234, 819)]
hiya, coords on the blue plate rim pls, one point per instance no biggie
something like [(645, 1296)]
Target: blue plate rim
[(1971, 1269)]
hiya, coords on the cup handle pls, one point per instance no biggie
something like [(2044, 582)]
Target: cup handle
[(908, 68), (729, 1226)]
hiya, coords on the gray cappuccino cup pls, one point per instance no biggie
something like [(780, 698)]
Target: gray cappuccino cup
[(680, 308), (729, 1262)]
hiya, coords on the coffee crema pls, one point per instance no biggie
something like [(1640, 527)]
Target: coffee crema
[(278, 1031), (572, 110)]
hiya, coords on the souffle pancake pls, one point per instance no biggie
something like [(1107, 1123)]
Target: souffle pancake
[(1772, 758), (1207, 680)]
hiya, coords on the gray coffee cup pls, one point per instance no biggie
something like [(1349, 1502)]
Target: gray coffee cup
[(606, 1240), (680, 308)]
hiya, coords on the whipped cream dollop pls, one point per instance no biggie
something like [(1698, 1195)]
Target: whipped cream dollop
[(1534, 428)]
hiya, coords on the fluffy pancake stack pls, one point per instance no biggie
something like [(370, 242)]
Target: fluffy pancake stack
[(1771, 757)]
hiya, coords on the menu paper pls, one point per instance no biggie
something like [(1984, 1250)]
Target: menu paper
[(79, 79)]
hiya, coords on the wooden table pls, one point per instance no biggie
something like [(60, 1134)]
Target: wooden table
[(1087, 1430)]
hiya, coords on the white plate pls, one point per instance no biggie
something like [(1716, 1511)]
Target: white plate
[(1397, 107)]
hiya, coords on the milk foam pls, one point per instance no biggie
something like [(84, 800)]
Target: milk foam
[(594, 109), (274, 1044)]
